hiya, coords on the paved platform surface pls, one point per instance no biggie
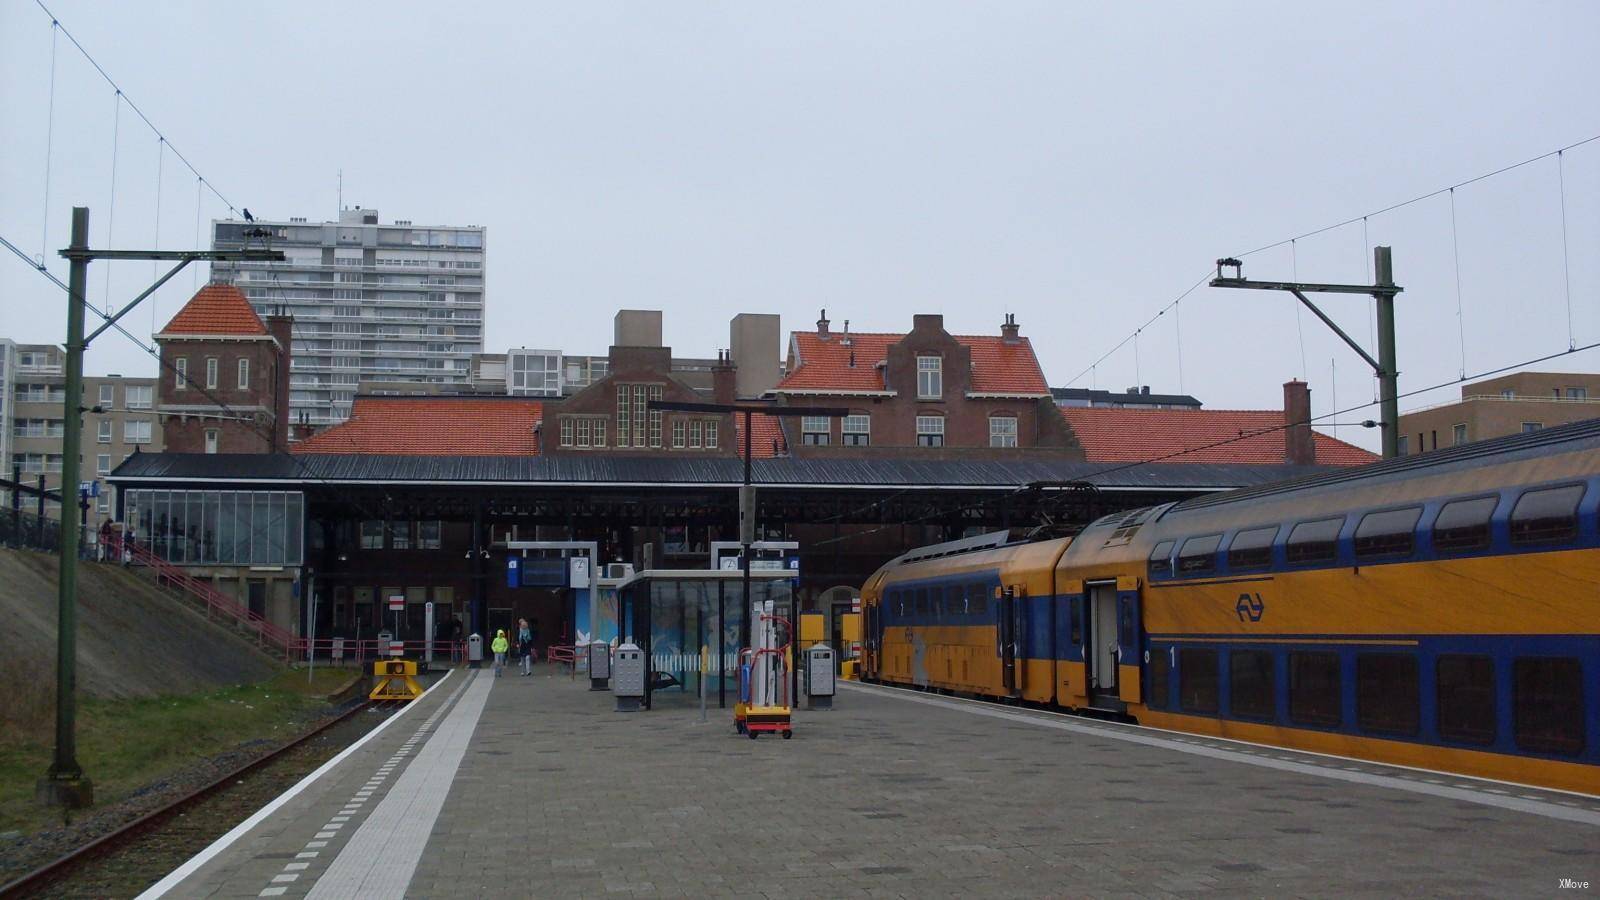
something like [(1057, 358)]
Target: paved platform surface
[(534, 787)]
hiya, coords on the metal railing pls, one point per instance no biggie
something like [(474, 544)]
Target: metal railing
[(29, 531), (272, 637)]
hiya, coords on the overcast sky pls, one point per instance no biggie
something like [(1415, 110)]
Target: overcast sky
[(1079, 166)]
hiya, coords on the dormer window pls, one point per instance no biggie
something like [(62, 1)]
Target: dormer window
[(930, 378)]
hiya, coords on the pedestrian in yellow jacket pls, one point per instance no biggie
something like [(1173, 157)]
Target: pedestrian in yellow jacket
[(500, 646)]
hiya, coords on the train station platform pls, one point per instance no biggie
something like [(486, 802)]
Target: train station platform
[(535, 787)]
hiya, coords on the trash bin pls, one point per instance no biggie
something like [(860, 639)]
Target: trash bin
[(819, 677), (627, 677), (475, 651), (599, 665)]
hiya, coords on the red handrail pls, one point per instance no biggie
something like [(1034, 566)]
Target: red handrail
[(265, 632)]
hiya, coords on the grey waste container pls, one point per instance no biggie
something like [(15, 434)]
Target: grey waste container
[(475, 651), (627, 677), (599, 665), (819, 677)]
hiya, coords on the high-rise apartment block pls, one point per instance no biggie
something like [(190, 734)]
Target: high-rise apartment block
[(392, 303)]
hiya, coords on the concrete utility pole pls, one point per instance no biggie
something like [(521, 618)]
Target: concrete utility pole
[(65, 784), (1385, 366)]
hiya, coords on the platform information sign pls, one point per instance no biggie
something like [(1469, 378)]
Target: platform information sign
[(397, 602)]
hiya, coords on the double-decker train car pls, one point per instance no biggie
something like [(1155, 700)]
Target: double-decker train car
[(1438, 611)]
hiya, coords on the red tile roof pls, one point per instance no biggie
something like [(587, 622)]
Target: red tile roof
[(216, 309), (433, 426), (766, 437), (997, 367), (1112, 434)]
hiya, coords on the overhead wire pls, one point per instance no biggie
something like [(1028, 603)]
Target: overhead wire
[(49, 144), (111, 205), (1566, 258), (134, 106), (1350, 221)]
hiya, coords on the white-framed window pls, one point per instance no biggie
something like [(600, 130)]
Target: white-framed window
[(930, 378), (930, 431), (566, 432), (680, 433), (1530, 427), (599, 432), (141, 396), (244, 374), (136, 431), (430, 535), (1577, 393), (711, 434), (857, 430), (211, 373), (108, 396), (400, 535), (213, 438), (655, 416), (372, 535), (696, 433), (104, 432), (1460, 434), (624, 415), (1002, 431), (814, 430), (180, 373), (102, 464), (102, 503), (584, 432)]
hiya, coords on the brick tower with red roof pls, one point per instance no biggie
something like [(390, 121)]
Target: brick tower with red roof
[(224, 385)]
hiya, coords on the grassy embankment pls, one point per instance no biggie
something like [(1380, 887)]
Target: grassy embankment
[(126, 745)]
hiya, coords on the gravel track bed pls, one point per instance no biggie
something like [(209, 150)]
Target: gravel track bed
[(142, 860)]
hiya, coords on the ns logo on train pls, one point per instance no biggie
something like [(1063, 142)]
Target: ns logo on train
[(1250, 606)]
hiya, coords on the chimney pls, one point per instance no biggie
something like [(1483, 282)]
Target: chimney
[(822, 326), (1299, 447), (724, 379), (1008, 331), (281, 327)]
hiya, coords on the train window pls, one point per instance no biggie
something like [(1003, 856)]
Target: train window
[(1387, 534), (955, 600), (1313, 542), (1466, 698), (1250, 684), (1547, 516), (1197, 680), (978, 597), (1159, 672), (922, 603), (1075, 620), (1161, 560), (1547, 704), (1252, 549), (1199, 555), (1463, 525), (1386, 693), (1314, 689)]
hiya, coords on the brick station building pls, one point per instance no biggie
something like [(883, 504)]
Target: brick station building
[(419, 495)]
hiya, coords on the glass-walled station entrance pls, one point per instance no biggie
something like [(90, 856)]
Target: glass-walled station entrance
[(690, 624)]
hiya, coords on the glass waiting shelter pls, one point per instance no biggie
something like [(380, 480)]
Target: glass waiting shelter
[(690, 622)]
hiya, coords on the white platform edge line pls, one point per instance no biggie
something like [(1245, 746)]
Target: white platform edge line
[(1532, 807), (178, 875)]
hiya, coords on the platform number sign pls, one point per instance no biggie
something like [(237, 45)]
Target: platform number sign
[(397, 602)]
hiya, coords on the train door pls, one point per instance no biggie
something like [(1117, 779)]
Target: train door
[(1101, 653), (1006, 636)]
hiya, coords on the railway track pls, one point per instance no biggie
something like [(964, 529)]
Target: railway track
[(160, 840)]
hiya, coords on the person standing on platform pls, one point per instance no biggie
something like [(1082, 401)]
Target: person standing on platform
[(525, 646), (500, 646)]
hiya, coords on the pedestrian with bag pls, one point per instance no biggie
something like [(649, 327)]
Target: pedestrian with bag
[(525, 646), (500, 646)]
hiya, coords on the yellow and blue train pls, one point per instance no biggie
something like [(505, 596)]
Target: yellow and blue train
[(1437, 611)]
